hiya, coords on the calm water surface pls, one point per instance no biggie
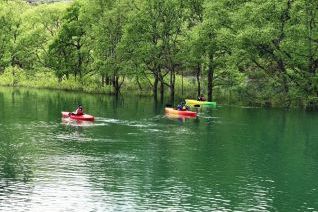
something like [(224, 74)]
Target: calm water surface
[(133, 158)]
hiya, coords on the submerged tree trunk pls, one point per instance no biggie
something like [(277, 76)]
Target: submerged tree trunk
[(117, 85), (155, 86), (162, 91), (210, 79)]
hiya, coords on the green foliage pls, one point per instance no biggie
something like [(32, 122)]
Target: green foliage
[(68, 53), (12, 76), (10, 31), (260, 52), (108, 59), (41, 25)]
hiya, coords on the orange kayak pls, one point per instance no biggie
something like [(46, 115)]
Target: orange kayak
[(185, 113)]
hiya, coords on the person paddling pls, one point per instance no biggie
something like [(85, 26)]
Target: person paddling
[(201, 98), (79, 111), (182, 106)]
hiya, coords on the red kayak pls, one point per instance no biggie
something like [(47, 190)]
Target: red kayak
[(184, 113), (84, 117)]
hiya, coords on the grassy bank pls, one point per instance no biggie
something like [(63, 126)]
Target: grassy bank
[(46, 79), (186, 88)]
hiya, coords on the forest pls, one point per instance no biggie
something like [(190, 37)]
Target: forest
[(251, 52)]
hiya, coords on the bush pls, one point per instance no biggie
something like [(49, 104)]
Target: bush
[(12, 76)]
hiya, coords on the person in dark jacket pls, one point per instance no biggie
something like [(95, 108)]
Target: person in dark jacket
[(79, 111), (201, 98), (182, 106)]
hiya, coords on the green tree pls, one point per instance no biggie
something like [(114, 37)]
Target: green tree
[(153, 38), (301, 43), (261, 37), (41, 25), (108, 33), (10, 31), (209, 41), (70, 52)]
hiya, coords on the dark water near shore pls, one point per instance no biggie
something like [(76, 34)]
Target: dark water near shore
[(133, 158)]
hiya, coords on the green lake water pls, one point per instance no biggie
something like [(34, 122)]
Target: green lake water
[(133, 158)]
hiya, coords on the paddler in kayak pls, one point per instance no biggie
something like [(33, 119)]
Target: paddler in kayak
[(182, 106), (79, 111), (201, 98)]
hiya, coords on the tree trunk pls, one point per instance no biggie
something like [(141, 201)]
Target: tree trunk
[(116, 85), (182, 83), (162, 91), (284, 76), (172, 85), (210, 81), (138, 83), (103, 80), (108, 81), (155, 87), (312, 44), (79, 59), (198, 78)]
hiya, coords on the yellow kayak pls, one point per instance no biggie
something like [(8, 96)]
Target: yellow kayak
[(203, 103)]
